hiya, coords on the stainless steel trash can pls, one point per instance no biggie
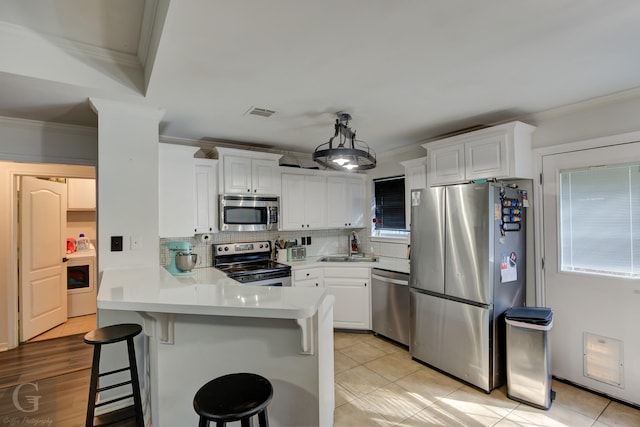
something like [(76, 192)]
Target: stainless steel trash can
[(528, 356)]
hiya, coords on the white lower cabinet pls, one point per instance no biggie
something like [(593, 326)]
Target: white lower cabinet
[(308, 278), (351, 288)]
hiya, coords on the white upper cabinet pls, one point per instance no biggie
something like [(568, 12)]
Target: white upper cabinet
[(345, 202), (304, 202), (248, 172), (502, 151), (176, 190), (81, 194), (206, 196), (415, 172)]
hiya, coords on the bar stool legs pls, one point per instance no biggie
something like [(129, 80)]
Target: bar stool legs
[(110, 335)]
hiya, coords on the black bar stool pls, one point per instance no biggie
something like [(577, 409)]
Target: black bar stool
[(233, 397), (110, 335)]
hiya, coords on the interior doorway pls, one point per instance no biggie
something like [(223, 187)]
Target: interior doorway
[(57, 284), (10, 175)]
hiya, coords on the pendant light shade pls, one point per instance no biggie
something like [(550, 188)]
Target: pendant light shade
[(348, 153)]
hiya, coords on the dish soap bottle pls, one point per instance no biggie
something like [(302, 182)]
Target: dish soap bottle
[(82, 244)]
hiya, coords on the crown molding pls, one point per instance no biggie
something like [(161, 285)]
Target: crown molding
[(50, 126), (71, 46), (210, 144)]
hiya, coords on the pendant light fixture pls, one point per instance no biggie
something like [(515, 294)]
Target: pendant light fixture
[(349, 153)]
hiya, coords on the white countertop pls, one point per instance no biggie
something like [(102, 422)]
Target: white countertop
[(207, 292), (385, 263)]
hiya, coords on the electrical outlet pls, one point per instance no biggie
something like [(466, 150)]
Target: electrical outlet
[(135, 243), (116, 243)]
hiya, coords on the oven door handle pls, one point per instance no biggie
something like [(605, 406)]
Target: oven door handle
[(65, 259)]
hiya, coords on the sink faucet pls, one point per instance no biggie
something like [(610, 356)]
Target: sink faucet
[(354, 243)]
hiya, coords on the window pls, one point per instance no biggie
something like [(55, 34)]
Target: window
[(600, 220), (389, 203)]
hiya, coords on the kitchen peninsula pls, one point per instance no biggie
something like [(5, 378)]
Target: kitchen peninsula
[(203, 326)]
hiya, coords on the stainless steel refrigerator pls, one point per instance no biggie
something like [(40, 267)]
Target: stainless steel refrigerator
[(467, 268)]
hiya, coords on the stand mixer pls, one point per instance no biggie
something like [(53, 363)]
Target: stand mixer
[(182, 260)]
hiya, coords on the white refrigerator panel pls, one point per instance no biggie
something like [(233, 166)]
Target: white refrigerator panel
[(453, 337), (427, 239)]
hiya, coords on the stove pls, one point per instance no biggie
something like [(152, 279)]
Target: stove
[(250, 264)]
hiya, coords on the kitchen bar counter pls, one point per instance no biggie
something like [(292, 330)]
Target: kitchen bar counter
[(200, 327), (209, 292)]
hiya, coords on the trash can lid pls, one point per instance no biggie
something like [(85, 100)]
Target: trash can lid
[(534, 315)]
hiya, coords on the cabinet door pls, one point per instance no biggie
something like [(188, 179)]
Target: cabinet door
[(292, 203), (237, 175), (337, 208), (263, 176), (315, 202), (416, 177), (486, 157), (81, 194), (176, 192), (446, 165), (352, 308), (205, 210), (355, 203)]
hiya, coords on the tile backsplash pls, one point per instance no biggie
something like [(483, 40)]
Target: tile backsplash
[(323, 242)]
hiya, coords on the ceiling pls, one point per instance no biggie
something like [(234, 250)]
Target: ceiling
[(406, 70)]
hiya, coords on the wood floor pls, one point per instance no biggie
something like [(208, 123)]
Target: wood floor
[(46, 383)]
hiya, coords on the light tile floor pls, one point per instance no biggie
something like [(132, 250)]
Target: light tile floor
[(378, 384), (73, 325)]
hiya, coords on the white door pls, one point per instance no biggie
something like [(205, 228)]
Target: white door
[(591, 219), (43, 273)]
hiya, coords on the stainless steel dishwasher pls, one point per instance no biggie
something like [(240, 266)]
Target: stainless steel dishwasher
[(390, 304)]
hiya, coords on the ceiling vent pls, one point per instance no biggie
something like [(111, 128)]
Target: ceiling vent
[(260, 112)]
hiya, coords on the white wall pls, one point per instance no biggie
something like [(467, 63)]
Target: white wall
[(611, 115), (127, 196)]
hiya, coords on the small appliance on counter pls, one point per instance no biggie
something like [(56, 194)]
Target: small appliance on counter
[(296, 253), (182, 260)]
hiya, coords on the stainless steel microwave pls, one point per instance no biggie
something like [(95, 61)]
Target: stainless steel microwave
[(248, 213)]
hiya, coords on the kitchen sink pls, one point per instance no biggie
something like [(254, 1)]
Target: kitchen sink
[(351, 258)]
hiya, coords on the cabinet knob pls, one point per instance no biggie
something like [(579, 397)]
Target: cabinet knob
[(316, 284), (255, 191), (307, 274), (248, 190)]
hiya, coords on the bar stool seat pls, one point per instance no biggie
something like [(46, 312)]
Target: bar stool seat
[(98, 338), (234, 397)]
